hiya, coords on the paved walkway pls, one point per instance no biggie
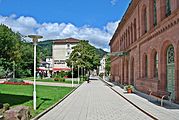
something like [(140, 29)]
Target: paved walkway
[(167, 112), (52, 83), (47, 83), (162, 113), (94, 101)]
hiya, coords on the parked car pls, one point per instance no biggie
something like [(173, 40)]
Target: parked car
[(91, 77)]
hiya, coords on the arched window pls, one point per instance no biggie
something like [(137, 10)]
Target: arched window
[(168, 8), (144, 66), (156, 65), (155, 12)]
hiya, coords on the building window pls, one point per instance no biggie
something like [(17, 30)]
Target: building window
[(156, 66), (146, 66), (145, 20), (56, 61), (155, 13), (168, 7), (68, 53), (68, 45), (135, 30)]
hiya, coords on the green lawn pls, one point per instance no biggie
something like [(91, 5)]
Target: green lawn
[(22, 95), (67, 80)]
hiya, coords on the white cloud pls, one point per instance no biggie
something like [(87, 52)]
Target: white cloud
[(113, 2), (111, 27), (28, 25)]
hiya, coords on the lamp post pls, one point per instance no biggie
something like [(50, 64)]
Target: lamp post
[(104, 63), (72, 74), (78, 75), (35, 40)]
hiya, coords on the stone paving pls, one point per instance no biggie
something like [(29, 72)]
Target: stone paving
[(52, 83), (94, 101), (167, 112)]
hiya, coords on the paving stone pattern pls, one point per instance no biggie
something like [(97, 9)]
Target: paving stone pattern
[(94, 101), (167, 112)]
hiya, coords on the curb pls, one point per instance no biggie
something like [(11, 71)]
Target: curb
[(51, 107)]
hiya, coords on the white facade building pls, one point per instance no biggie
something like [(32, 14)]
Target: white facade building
[(102, 65), (61, 50)]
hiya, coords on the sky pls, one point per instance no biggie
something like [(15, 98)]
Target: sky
[(93, 20)]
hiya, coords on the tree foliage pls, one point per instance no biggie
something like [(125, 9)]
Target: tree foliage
[(84, 55), (15, 49), (9, 46), (108, 64)]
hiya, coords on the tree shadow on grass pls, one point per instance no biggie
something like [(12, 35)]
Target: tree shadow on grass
[(14, 99), (19, 99), (43, 101)]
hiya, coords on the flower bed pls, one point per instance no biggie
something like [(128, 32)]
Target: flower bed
[(16, 83)]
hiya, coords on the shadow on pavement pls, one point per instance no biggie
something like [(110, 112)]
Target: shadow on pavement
[(166, 105)]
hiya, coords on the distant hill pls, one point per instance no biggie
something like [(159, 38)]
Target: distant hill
[(101, 52), (46, 49)]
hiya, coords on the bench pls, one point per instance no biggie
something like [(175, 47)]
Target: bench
[(161, 95)]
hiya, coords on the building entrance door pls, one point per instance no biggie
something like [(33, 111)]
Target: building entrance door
[(171, 71)]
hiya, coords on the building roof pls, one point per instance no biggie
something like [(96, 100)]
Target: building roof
[(125, 17), (67, 40)]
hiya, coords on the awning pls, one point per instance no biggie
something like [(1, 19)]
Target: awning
[(61, 69), (41, 69)]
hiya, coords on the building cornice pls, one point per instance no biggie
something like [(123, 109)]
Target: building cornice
[(125, 17), (65, 41)]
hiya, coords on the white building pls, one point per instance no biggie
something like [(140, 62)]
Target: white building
[(102, 65), (61, 50)]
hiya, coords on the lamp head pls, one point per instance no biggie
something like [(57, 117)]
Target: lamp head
[(35, 38)]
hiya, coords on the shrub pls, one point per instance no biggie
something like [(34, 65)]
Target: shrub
[(62, 74), (101, 75), (83, 78), (129, 87), (62, 79), (23, 73), (56, 79), (15, 80), (2, 72)]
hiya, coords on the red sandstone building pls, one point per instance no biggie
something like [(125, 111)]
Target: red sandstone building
[(147, 43)]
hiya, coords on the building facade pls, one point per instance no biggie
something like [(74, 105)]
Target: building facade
[(149, 35), (102, 65), (61, 50)]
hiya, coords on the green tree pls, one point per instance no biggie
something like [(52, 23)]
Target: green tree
[(108, 64), (9, 47), (25, 66), (14, 49), (84, 55)]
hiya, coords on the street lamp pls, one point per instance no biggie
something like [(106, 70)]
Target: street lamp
[(78, 75), (72, 73), (35, 40), (104, 65)]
